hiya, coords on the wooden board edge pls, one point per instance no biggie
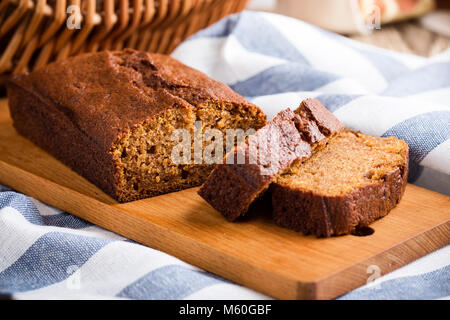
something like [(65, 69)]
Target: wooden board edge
[(168, 241), (343, 281)]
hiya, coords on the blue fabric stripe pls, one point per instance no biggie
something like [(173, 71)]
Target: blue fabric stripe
[(283, 78), (431, 285), (389, 67), (335, 101), (65, 220), (21, 203), (49, 260), (431, 77), (423, 132), (26, 207), (242, 27), (169, 282), (414, 171), (4, 188)]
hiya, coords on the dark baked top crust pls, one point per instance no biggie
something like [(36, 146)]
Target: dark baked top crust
[(107, 93)]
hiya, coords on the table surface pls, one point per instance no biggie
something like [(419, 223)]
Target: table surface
[(407, 37)]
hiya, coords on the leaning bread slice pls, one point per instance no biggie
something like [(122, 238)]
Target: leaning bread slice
[(233, 186), (350, 183)]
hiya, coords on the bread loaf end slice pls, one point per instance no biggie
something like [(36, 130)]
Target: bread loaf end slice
[(353, 181)]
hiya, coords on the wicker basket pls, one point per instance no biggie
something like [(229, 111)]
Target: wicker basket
[(35, 32)]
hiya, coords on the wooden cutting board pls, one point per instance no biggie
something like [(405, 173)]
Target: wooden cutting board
[(253, 252)]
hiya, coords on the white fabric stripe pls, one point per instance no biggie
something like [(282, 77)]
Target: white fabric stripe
[(440, 57), (343, 86), (107, 272), (272, 104), (45, 210), (17, 235), (95, 231), (411, 61), (440, 96), (14, 243), (439, 158), (359, 113), (223, 59), (226, 291), (327, 54)]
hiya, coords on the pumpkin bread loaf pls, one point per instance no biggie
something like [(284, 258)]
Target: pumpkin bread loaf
[(291, 136), (110, 117), (350, 183)]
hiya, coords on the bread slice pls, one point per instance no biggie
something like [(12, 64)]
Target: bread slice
[(110, 116), (350, 183), (232, 187)]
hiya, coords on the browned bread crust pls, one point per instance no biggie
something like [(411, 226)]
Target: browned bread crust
[(80, 108), (232, 188), (309, 211)]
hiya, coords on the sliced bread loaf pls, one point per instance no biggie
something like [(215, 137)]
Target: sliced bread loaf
[(111, 116)]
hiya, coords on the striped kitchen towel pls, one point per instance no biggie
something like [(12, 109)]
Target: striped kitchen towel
[(275, 62)]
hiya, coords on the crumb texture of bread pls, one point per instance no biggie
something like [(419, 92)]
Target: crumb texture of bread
[(290, 136), (352, 181), (110, 117)]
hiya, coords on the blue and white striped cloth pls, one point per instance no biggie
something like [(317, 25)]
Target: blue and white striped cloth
[(275, 62)]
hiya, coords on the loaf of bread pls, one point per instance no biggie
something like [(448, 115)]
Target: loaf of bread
[(291, 136), (350, 183), (110, 117)]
